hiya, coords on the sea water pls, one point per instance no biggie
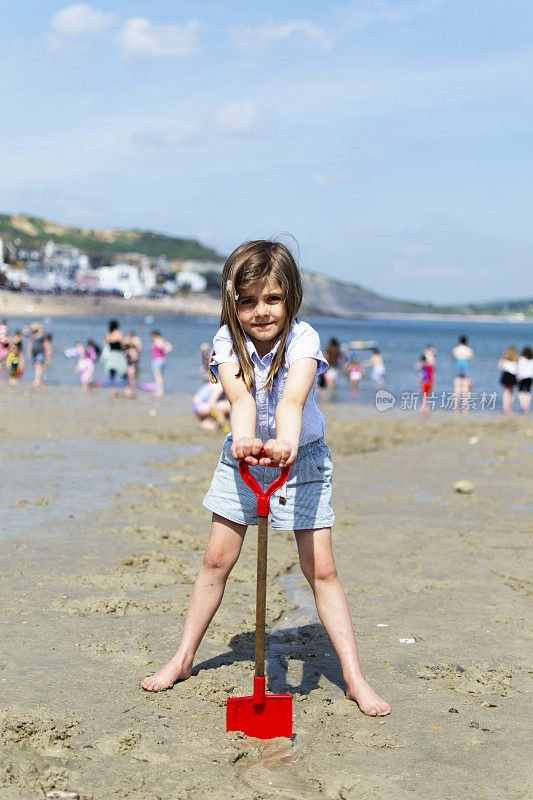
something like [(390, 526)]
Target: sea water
[(401, 342)]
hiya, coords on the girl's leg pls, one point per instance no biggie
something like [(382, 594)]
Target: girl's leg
[(525, 401), (38, 378), (221, 553), (507, 401), (318, 566)]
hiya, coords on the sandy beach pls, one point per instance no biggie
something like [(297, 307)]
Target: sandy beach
[(35, 306), (101, 534)]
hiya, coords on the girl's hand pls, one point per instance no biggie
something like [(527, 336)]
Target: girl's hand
[(280, 452), (247, 449)]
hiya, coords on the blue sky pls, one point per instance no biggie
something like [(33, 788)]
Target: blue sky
[(391, 138)]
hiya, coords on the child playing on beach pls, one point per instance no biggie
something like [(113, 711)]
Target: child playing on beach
[(211, 406), (160, 350), (15, 363), (426, 373), (268, 363), (85, 369)]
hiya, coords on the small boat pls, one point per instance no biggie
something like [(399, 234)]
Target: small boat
[(360, 344)]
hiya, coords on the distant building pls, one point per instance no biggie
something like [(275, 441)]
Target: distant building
[(64, 256), (8, 253), (126, 279), (191, 281)]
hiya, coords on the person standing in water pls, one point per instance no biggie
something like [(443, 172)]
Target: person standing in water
[(508, 366), (268, 362), (525, 379), (132, 351), (377, 366), (463, 357), (160, 350), (115, 360), (39, 351)]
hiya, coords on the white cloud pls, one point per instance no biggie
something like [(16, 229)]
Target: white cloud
[(168, 138), (81, 20), (391, 12), (237, 119), (331, 180), (249, 38), (141, 38)]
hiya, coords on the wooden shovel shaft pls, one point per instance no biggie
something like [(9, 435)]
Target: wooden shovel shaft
[(260, 609)]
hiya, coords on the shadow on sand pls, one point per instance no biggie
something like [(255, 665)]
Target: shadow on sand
[(309, 644)]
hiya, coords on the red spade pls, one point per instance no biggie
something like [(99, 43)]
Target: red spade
[(262, 715)]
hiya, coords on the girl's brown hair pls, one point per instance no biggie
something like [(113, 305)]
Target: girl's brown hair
[(249, 265), (511, 354)]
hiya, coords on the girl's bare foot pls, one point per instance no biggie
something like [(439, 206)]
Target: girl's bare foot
[(167, 676), (368, 701)]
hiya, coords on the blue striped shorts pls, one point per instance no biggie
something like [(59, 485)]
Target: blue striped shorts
[(308, 490)]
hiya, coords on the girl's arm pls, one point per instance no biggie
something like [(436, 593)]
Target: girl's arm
[(243, 414), (282, 450)]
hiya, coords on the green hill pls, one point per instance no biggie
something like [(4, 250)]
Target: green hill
[(35, 232)]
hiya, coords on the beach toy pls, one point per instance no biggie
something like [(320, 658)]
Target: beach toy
[(149, 387), (262, 715)]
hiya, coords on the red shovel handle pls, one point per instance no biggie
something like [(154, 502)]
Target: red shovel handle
[(263, 498)]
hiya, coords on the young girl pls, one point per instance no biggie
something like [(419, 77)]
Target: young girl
[(508, 366), (85, 369), (15, 363), (160, 350), (525, 379), (267, 362)]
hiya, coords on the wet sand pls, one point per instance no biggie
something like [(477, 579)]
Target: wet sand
[(101, 534)]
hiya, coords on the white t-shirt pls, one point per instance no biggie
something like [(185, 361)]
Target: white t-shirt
[(525, 368), (303, 342), (509, 366)]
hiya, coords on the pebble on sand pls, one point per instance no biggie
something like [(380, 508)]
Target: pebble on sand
[(463, 487), (62, 794)]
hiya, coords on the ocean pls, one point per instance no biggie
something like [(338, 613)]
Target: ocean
[(401, 342)]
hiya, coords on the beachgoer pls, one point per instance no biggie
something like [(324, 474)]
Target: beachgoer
[(15, 363), (267, 362), (333, 356), (85, 369), (508, 366), (525, 379), (115, 361), (353, 370), (5, 342), (377, 367), (39, 352), (212, 407), (160, 350), (132, 351), (426, 376), (463, 356), (206, 351)]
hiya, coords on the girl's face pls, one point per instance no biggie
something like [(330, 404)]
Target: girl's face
[(261, 312)]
